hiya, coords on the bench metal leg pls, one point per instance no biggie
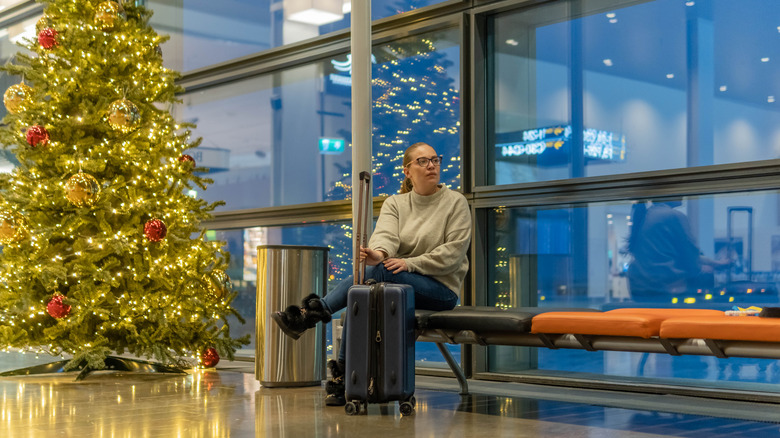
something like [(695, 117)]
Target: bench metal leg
[(455, 367)]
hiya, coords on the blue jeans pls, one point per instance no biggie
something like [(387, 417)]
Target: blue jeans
[(429, 294)]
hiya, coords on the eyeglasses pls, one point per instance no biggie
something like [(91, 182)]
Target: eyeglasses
[(423, 161)]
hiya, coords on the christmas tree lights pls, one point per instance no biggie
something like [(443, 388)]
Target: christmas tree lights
[(102, 249)]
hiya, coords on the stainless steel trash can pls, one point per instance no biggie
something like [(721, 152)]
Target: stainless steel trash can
[(285, 275)]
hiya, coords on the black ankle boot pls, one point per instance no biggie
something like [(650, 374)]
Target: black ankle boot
[(296, 320), (334, 387)]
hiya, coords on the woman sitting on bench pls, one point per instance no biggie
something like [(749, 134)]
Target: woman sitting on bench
[(421, 239)]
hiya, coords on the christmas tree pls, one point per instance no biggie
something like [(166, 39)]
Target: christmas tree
[(102, 248)]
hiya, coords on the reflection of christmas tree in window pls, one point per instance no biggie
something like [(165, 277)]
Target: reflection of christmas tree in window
[(414, 99)]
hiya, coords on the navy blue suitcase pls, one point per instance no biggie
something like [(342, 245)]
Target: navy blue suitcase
[(380, 346)]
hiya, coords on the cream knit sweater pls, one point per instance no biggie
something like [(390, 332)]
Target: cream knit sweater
[(431, 233)]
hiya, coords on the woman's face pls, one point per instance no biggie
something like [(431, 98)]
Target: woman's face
[(424, 178)]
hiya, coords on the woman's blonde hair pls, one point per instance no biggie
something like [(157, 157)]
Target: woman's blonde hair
[(406, 184)]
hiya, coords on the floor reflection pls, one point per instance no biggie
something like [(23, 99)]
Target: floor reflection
[(222, 403), (201, 404)]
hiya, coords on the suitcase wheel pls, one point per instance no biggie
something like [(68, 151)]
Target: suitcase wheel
[(406, 408), (351, 408)]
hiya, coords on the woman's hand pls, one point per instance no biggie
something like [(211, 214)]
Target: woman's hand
[(371, 257), (395, 265)]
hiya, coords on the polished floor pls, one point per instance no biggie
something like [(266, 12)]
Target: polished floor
[(229, 402)]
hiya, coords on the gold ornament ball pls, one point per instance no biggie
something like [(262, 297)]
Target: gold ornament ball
[(218, 284), (82, 190), (12, 227), (107, 14), (124, 116), (17, 97)]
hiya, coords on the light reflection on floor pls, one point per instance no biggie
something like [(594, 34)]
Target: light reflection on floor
[(224, 403)]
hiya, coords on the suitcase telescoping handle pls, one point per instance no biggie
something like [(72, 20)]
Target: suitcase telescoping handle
[(365, 214)]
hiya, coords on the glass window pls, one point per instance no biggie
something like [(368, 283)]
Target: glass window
[(284, 138), (10, 37), (206, 32), (713, 252), (653, 85), (261, 138)]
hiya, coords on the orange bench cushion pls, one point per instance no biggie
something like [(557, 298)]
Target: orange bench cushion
[(733, 328), (642, 323)]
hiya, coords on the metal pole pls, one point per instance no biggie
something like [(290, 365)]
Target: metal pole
[(360, 41)]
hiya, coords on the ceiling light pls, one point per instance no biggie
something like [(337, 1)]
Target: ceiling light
[(512, 42), (613, 20), (611, 15), (607, 62), (723, 88), (316, 12), (764, 59), (670, 76), (689, 3), (770, 99)]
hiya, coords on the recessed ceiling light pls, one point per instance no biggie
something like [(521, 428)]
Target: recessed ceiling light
[(690, 3), (613, 20), (770, 99), (512, 42), (607, 62), (723, 88), (670, 76), (765, 59), (612, 15)]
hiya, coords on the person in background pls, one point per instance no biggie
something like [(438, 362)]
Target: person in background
[(421, 239), (666, 261)]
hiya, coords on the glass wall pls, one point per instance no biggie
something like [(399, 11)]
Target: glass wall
[(716, 251), (285, 138), (581, 89), (204, 32)]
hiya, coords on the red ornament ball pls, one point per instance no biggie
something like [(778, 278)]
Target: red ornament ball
[(47, 38), (209, 358), (155, 230), (56, 308), (187, 159), (37, 136)]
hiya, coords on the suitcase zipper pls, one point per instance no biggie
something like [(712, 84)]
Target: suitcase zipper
[(373, 358)]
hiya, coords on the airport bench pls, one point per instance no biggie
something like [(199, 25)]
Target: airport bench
[(670, 331)]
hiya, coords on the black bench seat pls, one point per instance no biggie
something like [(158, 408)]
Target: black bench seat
[(481, 325)]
